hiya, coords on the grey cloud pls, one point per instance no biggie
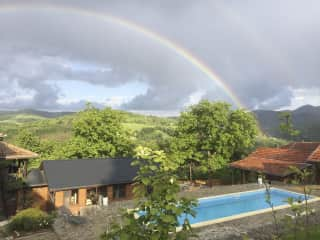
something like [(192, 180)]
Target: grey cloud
[(261, 50)]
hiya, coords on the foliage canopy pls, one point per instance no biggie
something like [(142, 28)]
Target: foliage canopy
[(209, 135)]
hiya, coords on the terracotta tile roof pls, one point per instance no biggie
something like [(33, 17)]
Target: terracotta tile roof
[(276, 161), (315, 156), (11, 152), (268, 166)]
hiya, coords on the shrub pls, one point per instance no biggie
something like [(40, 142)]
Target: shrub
[(31, 219)]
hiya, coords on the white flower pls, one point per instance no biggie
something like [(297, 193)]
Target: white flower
[(171, 180)]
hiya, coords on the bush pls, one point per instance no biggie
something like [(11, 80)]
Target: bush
[(31, 219)]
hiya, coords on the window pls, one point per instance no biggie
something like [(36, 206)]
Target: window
[(74, 196), (92, 196), (13, 167), (102, 191), (119, 191)]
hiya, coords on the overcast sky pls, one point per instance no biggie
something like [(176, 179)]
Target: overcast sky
[(54, 58)]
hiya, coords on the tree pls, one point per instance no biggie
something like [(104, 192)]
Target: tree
[(302, 176), (46, 149), (286, 126), (153, 137), (97, 133), (209, 135), (28, 140), (156, 216)]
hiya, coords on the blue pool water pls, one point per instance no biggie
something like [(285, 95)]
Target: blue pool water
[(234, 204)]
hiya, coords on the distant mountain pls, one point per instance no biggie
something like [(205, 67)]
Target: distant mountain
[(38, 113), (306, 119)]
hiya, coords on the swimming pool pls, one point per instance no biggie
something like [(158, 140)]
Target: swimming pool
[(232, 206)]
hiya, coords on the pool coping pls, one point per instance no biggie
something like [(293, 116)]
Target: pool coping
[(247, 214)]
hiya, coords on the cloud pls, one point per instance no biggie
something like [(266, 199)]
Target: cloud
[(262, 55), (304, 96)]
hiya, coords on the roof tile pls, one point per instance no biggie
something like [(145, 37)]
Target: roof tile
[(315, 156), (276, 161)]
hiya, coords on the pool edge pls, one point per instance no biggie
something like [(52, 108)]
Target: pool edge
[(248, 214)]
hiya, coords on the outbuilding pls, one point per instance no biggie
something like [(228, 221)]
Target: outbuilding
[(75, 184)]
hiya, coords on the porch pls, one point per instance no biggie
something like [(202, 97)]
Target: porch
[(75, 201)]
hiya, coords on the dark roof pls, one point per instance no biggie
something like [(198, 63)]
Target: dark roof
[(36, 178), (68, 174), (11, 152), (277, 161)]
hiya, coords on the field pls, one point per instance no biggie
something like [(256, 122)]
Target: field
[(58, 127)]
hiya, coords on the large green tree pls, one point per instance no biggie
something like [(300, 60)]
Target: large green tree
[(97, 133), (210, 134), (156, 216)]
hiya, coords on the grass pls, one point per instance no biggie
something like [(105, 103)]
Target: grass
[(19, 118), (314, 234)]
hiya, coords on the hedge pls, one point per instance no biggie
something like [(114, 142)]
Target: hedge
[(31, 219)]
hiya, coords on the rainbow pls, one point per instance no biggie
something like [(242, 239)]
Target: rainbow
[(131, 26)]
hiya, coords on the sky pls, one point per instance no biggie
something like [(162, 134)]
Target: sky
[(133, 54)]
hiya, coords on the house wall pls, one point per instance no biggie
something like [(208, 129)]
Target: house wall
[(42, 195), (58, 199), (82, 198), (34, 197)]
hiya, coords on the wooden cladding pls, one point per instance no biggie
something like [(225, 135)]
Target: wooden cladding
[(74, 200)]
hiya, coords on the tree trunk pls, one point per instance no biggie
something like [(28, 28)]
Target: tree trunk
[(190, 172)]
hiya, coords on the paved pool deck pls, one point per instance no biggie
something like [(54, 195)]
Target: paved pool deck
[(256, 225)]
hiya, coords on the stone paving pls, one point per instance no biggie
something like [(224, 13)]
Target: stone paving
[(97, 221)]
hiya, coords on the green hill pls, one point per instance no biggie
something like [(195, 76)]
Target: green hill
[(57, 125), (306, 119)]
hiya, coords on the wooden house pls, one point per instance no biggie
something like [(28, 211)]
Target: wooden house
[(71, 185), (13, 165)]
